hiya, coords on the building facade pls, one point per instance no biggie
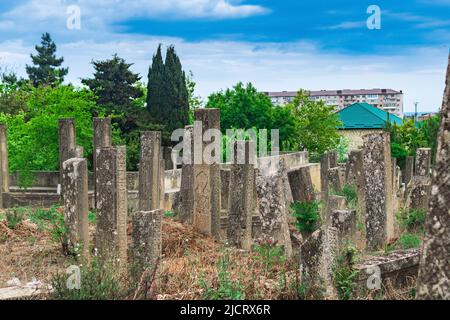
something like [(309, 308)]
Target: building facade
[(386, 99)]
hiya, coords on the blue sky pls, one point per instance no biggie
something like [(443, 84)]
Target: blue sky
[(277, 45)]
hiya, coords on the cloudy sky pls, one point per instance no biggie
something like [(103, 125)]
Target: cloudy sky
[(276, 45)]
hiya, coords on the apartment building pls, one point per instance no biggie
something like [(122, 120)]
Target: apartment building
[(386, 99)]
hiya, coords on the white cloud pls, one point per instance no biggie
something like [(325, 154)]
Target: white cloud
[(271, 66), (348, 25), (100, 12)]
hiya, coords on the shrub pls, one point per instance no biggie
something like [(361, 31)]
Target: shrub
[(412, 220), (351, 195), (307, 215), (15, 216)]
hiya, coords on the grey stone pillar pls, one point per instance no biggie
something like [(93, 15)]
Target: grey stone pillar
[(76, 205), (112, 208), (409, 170), (434, 270), (150, 171), (423, 162), (317, 256), (186, 207), (378, 190), (241, 204), (67, 142), (146, 243), (207, 187), (334, 180), (102, 139), (273, 209), (4, 158)]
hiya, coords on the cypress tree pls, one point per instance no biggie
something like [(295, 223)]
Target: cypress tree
[(168, 99), (45, 70)]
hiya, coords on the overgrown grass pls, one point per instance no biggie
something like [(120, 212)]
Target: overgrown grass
[(412, 220), (224, 288), (307, 215), (344, 273), (269, 254), (99, 281), (51, 220), (409, 240)]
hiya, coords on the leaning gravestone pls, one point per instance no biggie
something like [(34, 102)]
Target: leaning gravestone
[(301, 184), (102, 139), (434, 270)]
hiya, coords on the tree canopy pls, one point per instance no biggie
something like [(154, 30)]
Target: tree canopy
[(45, 69)]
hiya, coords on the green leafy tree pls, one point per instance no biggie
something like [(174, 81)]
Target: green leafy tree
[(33, 136), (13, 93), (316, 124), (168, 97), (195, 102), (45, 70), (243, 107)]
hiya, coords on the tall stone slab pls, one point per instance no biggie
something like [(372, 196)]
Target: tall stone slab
[(334, 180), (186, 195), (345, 223), (225, 176), (241, 204), (102, 139), (354, 169), (112, 208), (378, 190), (423, 162), (146, 243), (67, 141), (273, 209), (207, 187), (324, 166), (301, 185), (150, 187), (4, 163), (434, 270), (333, 203), (76, 205), (168, 158), (408, 172)]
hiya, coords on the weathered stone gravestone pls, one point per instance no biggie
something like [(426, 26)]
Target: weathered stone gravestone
[(112, 208), (423, 162), (76, 205), (317, 259), (67, 141), (434, 269), (345, 223), (273, 210), (146, 243), (301, 185), (334, 180), (77, 152), (333, 203), (206, 216), (241, 201), (150, 187), (409, 170), (325, 165), (169, 164), (4, 164), (102, 139), (378, 190), (186, 196), (354, 170), (225, 175)]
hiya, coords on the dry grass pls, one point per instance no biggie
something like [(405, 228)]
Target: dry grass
[(28, 253)]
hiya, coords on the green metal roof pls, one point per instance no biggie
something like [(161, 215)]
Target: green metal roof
[(366, 116)]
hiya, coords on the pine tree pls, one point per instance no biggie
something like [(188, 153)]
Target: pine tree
[(168, 98), (45, 70)]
